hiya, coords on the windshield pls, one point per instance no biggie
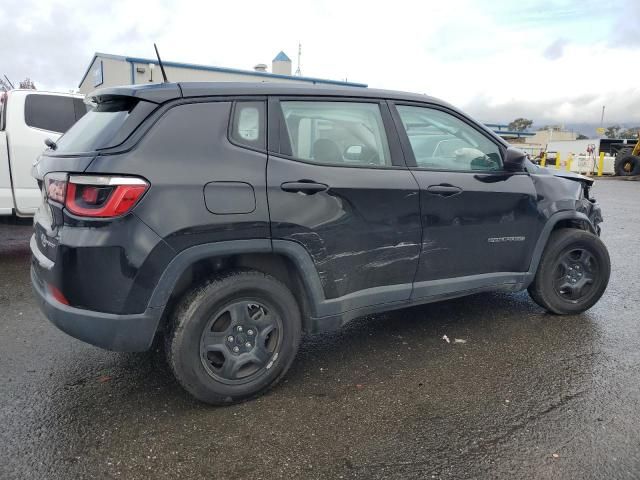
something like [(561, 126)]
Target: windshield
[(95, 129)]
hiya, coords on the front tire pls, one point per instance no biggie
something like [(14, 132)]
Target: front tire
[(234, 337), (573, 272)]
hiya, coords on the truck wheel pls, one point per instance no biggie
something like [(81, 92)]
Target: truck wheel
[(626, 164), (573, 272), (234, 337)]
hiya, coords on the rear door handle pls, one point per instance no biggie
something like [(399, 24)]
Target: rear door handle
[(444, 190), (304, 187)]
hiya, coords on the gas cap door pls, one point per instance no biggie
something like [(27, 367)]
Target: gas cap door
[(224, 198)]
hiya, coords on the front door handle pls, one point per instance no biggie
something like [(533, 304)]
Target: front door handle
[(444, 190), (308, 188)]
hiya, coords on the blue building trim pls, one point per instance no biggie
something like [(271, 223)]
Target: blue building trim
[(503, 130), (282, 57), (507, 133), (251, 73)]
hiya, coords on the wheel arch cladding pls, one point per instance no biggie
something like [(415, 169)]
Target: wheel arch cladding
[(564, 219), (195, 264)]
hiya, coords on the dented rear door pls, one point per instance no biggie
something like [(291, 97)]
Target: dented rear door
[(355, 210)]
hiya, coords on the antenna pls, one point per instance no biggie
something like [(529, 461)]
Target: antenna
[(298, 72), (9, 81), (164, 75)]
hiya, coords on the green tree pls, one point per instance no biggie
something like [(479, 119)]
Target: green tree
[(612, 131), (630, 132), (520, 124), (27, 83)]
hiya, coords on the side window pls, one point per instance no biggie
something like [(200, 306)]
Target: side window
[(248, 127), (441, 141), (337, 133), (50, 112)]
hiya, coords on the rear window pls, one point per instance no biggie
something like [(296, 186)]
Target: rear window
[(249, 125), (54, 113), (98, 127)]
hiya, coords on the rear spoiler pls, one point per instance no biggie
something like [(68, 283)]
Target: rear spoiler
[(154, 93)]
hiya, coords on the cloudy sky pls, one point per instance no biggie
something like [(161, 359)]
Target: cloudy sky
[(551, 61)]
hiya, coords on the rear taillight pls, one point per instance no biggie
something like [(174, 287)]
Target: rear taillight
[(103, 197), (96, 196), (56, 186)]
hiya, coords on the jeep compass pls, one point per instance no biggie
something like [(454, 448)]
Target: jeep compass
[(227, 219)]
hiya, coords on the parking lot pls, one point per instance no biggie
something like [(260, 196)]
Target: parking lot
[(529, 395)]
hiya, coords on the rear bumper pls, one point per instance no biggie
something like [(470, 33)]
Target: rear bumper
[(124, 333)]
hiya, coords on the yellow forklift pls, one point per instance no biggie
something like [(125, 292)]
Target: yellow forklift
[(627, 158)]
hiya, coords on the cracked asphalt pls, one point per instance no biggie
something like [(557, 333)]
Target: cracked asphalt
[(529, 395)]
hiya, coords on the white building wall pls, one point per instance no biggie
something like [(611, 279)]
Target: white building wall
[(115, 72), (179, 74), (118, 71), (542, 137), (281, 67), (575, 147)]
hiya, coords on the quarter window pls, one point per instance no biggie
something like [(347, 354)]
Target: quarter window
[(337, 133), (248, 127), (441, 141)]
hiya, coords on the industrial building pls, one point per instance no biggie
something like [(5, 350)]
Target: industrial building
[(543, 137), (107, 70)]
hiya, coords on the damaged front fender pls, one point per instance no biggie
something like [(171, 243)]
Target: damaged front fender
[(562, 191)]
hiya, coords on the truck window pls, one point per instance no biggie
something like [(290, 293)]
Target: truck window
[(54, 113)]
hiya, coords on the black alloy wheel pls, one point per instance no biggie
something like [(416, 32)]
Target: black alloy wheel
[(240, 340), (576, 274)]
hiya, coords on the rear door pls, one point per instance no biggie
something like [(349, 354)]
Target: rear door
[(477, 218), (338, 186)]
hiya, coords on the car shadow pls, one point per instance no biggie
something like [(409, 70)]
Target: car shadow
[(369, 349)]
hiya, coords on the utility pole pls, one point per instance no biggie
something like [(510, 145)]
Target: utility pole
[(298, 71)]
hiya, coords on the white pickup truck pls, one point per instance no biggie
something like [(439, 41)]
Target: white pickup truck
[(27, 119)]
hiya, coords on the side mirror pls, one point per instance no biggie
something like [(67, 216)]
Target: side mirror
[(514, 160), (50, 143)]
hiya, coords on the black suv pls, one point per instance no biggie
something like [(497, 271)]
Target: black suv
[(229, 218)]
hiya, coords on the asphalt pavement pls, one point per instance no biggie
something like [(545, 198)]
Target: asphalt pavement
[(527, 395)]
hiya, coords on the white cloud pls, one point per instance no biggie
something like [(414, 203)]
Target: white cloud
[(486, 57)]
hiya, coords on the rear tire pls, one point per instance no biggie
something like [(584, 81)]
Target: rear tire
[(234, 337), (626, 164), (573, 272)]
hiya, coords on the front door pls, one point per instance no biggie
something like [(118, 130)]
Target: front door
[(478, 220), (339, 188)]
